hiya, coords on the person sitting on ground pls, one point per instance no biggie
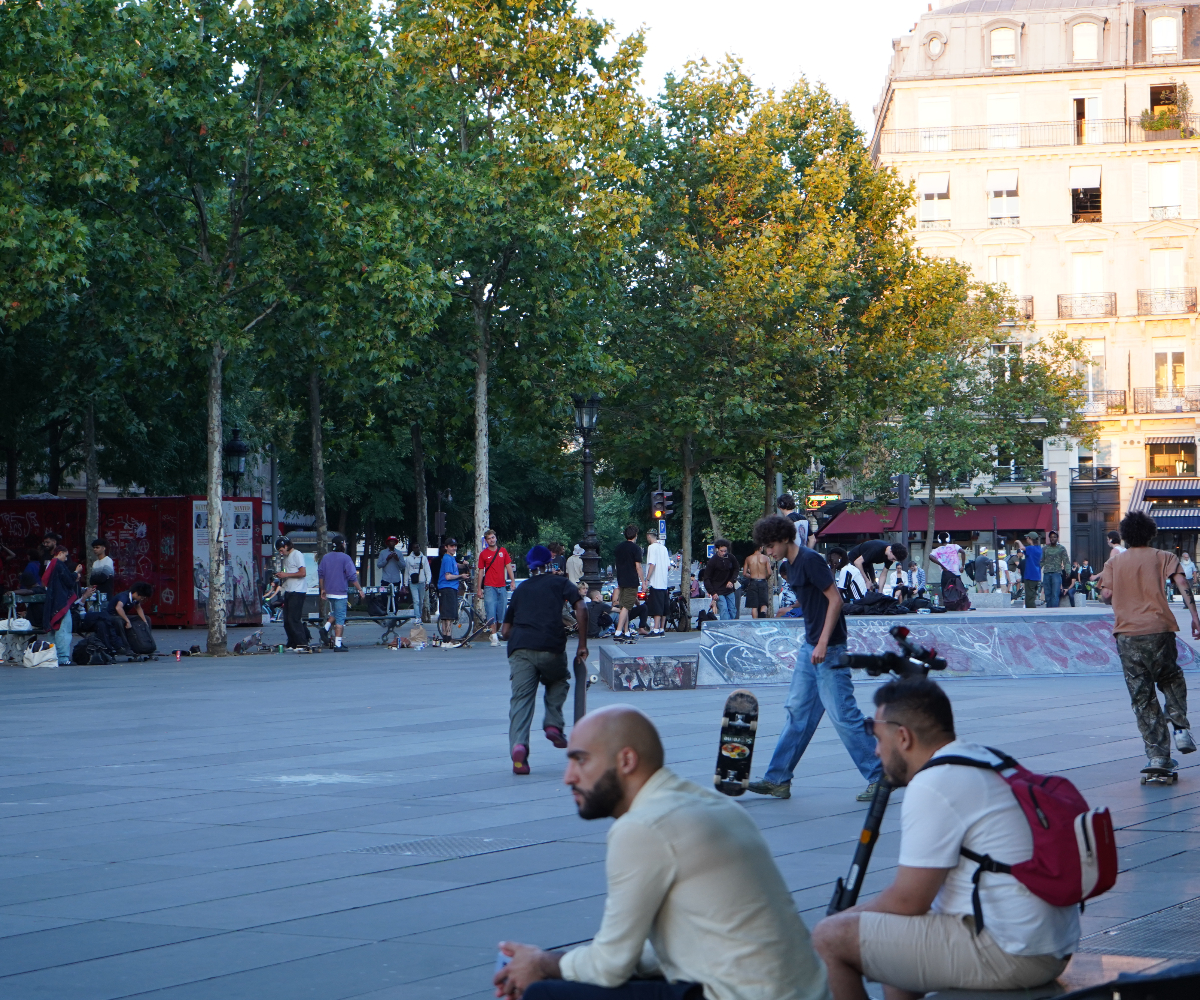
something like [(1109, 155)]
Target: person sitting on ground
[(537, 651), (696, 906), (865, 555), (919, 935), (600, 620), (1144, 626)]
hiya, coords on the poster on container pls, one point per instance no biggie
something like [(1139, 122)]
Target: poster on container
[(241, 597)]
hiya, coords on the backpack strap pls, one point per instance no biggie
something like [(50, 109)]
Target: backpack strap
[(985, 862)]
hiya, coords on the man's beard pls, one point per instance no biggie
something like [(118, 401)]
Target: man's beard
[(896, 770), (603, 798)]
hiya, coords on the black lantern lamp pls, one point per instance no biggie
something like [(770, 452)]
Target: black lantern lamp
[(235, 452), (587, 414)]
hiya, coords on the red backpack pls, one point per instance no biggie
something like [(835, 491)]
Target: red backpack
[(1074, 850)]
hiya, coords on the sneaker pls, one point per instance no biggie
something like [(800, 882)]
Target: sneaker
[(555, 736), (868, 793), (339, 649), (495, 640), (520, 759), (1164, 763), (765, 787), (1184, 742)]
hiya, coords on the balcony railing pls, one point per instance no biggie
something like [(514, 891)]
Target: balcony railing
[(1160, 212), (1100, 131), (1100, 402), (1087, 306), (1095, 474), (1020, 474), (1177, 399), (1023, 305), (1163, 301)]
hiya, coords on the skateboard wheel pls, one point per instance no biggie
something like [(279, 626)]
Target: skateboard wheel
[(1144, 779), (754, 726)]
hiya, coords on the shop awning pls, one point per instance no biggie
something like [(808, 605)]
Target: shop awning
[(1085, 177), (1146, 490), (1008, 517), (1171, 520), (1173, 439)]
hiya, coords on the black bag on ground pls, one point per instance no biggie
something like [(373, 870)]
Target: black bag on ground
[(954, 595), (874, 603), (705, 615), (91, 652), (140, 639)]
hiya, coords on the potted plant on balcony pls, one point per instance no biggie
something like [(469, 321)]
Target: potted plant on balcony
[(1168, 120)]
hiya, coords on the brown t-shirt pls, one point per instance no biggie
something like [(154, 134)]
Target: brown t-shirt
[(1139, 600)]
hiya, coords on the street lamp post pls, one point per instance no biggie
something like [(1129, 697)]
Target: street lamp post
[(235, 452), (587, 412)]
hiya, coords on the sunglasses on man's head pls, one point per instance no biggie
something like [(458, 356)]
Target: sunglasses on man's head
[(870, 724)]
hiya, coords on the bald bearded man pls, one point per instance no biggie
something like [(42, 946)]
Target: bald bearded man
[(696, 908)]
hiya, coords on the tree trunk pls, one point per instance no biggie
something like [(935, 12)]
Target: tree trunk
[(368, 559), (10, 474), (769, 483), (482, 491), (318, 463), (54, 473), (685, 563), (929, 525), (712, 511), (422, 536), (216, 522), (93, 484)]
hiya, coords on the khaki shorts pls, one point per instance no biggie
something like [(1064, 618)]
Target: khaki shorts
[(627, 598), (940, 951)]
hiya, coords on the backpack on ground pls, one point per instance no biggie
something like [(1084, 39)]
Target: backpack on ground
[(705, 615), (91, 652), (954, 596), (140, 639), (1074, 849)]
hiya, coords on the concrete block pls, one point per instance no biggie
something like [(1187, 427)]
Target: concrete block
[(655, 672)]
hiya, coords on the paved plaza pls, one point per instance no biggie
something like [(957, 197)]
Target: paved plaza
[(337, 826)]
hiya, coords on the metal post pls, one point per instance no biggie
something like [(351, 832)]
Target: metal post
[(274, 472), (591, 544), (904, 505)]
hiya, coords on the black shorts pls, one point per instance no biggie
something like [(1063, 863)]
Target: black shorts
[(756, 594), (448, 604), (656, 603)]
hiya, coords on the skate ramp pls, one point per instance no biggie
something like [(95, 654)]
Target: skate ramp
[(974, 644)]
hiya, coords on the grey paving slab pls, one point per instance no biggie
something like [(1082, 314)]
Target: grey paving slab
[(225, 806)]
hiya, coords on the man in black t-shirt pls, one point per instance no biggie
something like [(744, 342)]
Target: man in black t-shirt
[(537, 651), (866, 554), (627, 559), (818, 684)]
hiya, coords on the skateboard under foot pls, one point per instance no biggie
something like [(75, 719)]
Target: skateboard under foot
[(1159, 775), (739, 724)]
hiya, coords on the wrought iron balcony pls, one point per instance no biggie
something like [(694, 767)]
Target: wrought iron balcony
[(1023, 305), (1087, 306), (934, 224), (1018, 474), (1177, 399), (1160, 212), (1095, 474), (1100, 131), (1100, 402), (1164, 301)]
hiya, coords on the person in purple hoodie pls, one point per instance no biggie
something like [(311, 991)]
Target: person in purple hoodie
[(337, 575)]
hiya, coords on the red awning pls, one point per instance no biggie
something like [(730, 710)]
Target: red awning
[(1008, 517)]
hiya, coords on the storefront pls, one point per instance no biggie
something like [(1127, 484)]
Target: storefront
[(1175, 506)]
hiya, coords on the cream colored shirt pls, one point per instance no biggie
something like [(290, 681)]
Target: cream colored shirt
[(694, 894)]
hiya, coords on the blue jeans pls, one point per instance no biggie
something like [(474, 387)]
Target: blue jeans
[(337, 609), (726, 606), (816, 690), (418, 598), (62, 641), (495, 603), (1052, 583)]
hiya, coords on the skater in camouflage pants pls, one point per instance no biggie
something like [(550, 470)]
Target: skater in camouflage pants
[(1134, 582)]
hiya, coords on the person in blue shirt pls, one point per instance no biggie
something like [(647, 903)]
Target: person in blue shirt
[(1033, 567), (447, 587)]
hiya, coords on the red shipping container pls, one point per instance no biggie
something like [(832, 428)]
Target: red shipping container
[(161, 540)]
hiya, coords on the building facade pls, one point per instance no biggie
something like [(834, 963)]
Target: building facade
[(1053, 149)]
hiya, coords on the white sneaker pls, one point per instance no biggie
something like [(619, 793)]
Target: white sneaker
[(1184, 742), (495, 639)]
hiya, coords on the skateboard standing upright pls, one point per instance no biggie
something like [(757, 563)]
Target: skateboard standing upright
[(739, 723), (1152, 775)]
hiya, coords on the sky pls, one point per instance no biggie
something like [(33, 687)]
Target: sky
[(846, 44)]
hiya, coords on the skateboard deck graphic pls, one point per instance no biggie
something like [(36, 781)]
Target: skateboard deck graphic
[(1159, 775), (739, 724)]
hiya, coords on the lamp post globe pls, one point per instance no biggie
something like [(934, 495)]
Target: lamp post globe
[(587, 415)]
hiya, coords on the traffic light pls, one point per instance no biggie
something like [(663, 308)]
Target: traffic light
[(658, 505), (668, 503)]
